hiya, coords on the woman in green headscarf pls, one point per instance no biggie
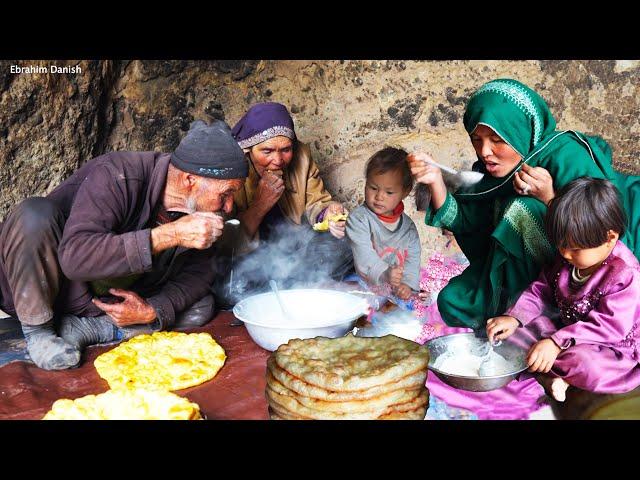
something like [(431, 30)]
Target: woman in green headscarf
[(498, 222)]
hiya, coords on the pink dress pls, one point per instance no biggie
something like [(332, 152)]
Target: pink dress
[(595, 324)]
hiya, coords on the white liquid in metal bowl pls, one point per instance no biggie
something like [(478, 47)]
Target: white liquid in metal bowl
[(466, 364)]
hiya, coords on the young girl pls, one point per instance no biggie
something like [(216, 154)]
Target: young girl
[(384, 240), (583, 311)]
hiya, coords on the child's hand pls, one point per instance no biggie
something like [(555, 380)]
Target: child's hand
[(404, 291), (394, 275), (499, 328), (423, 172), (542, 355)]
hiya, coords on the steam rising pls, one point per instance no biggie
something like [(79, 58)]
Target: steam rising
[(295, 257)]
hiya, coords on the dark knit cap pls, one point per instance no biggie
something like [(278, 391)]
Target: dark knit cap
[(210, 151)]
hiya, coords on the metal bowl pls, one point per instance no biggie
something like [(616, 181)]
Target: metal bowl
[(515, 355), (313, 313)]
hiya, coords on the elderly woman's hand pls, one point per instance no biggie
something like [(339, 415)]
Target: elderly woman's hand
[(535, 182), (337, 229), (269, 190)]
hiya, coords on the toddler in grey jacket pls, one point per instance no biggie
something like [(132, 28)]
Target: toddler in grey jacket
[(384, 240)]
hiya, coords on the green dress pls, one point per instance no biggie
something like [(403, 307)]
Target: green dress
[(501, 232)]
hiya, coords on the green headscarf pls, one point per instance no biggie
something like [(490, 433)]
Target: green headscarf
[(523, 119), (515, 112)]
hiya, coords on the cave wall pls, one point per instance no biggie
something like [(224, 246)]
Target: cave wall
[(346, 110)]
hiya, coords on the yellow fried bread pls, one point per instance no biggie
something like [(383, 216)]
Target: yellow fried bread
[(351, 363), (164, 360), (290, 404), (411, 381), (125, 404), (323, 226), (355, 406)]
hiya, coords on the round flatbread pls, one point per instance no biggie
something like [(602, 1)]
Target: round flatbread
[(125, 404), (356, 406), (283, 402), (411, 381), (351, 363), (164, 360), (417, 414)]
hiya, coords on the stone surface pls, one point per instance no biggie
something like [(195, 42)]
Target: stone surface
[(346, 110)]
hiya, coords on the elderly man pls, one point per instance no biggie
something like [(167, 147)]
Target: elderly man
[(123, 246)]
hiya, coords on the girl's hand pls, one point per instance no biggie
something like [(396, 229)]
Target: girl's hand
[(542, 355), (535, 182), (499, 328)]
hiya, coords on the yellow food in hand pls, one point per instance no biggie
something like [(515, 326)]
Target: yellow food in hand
[(323, 226), (125, 404), (163, 360)]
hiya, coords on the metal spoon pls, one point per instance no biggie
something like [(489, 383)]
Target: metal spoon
[(485, 369), (466, 177), (233, 222)]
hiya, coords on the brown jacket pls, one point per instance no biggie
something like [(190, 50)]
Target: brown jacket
[(110, 205), (304, 195)]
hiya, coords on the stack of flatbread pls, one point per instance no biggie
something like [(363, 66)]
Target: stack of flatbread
[(348, 378)]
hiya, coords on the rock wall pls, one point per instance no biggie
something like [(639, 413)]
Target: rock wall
[(346, 110)]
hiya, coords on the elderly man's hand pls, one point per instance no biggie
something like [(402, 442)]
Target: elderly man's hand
[(198, 230), (269, 190), (535, 182), (133, 310), (337, 229)]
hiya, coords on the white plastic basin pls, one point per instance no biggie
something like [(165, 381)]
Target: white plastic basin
[(313, 312)]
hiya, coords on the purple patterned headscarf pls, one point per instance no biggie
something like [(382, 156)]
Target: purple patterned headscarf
[(262, 122)]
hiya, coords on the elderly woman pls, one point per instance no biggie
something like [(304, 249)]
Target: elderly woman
[(498, 222), (282, 198)]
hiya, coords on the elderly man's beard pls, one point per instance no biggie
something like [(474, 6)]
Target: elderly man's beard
[(191, 204)]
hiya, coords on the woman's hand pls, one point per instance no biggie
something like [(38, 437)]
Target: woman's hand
[(422, 171), (535, 182), (337, 229), (542, 355), (269, 190), (429, 175), (499, 328)]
